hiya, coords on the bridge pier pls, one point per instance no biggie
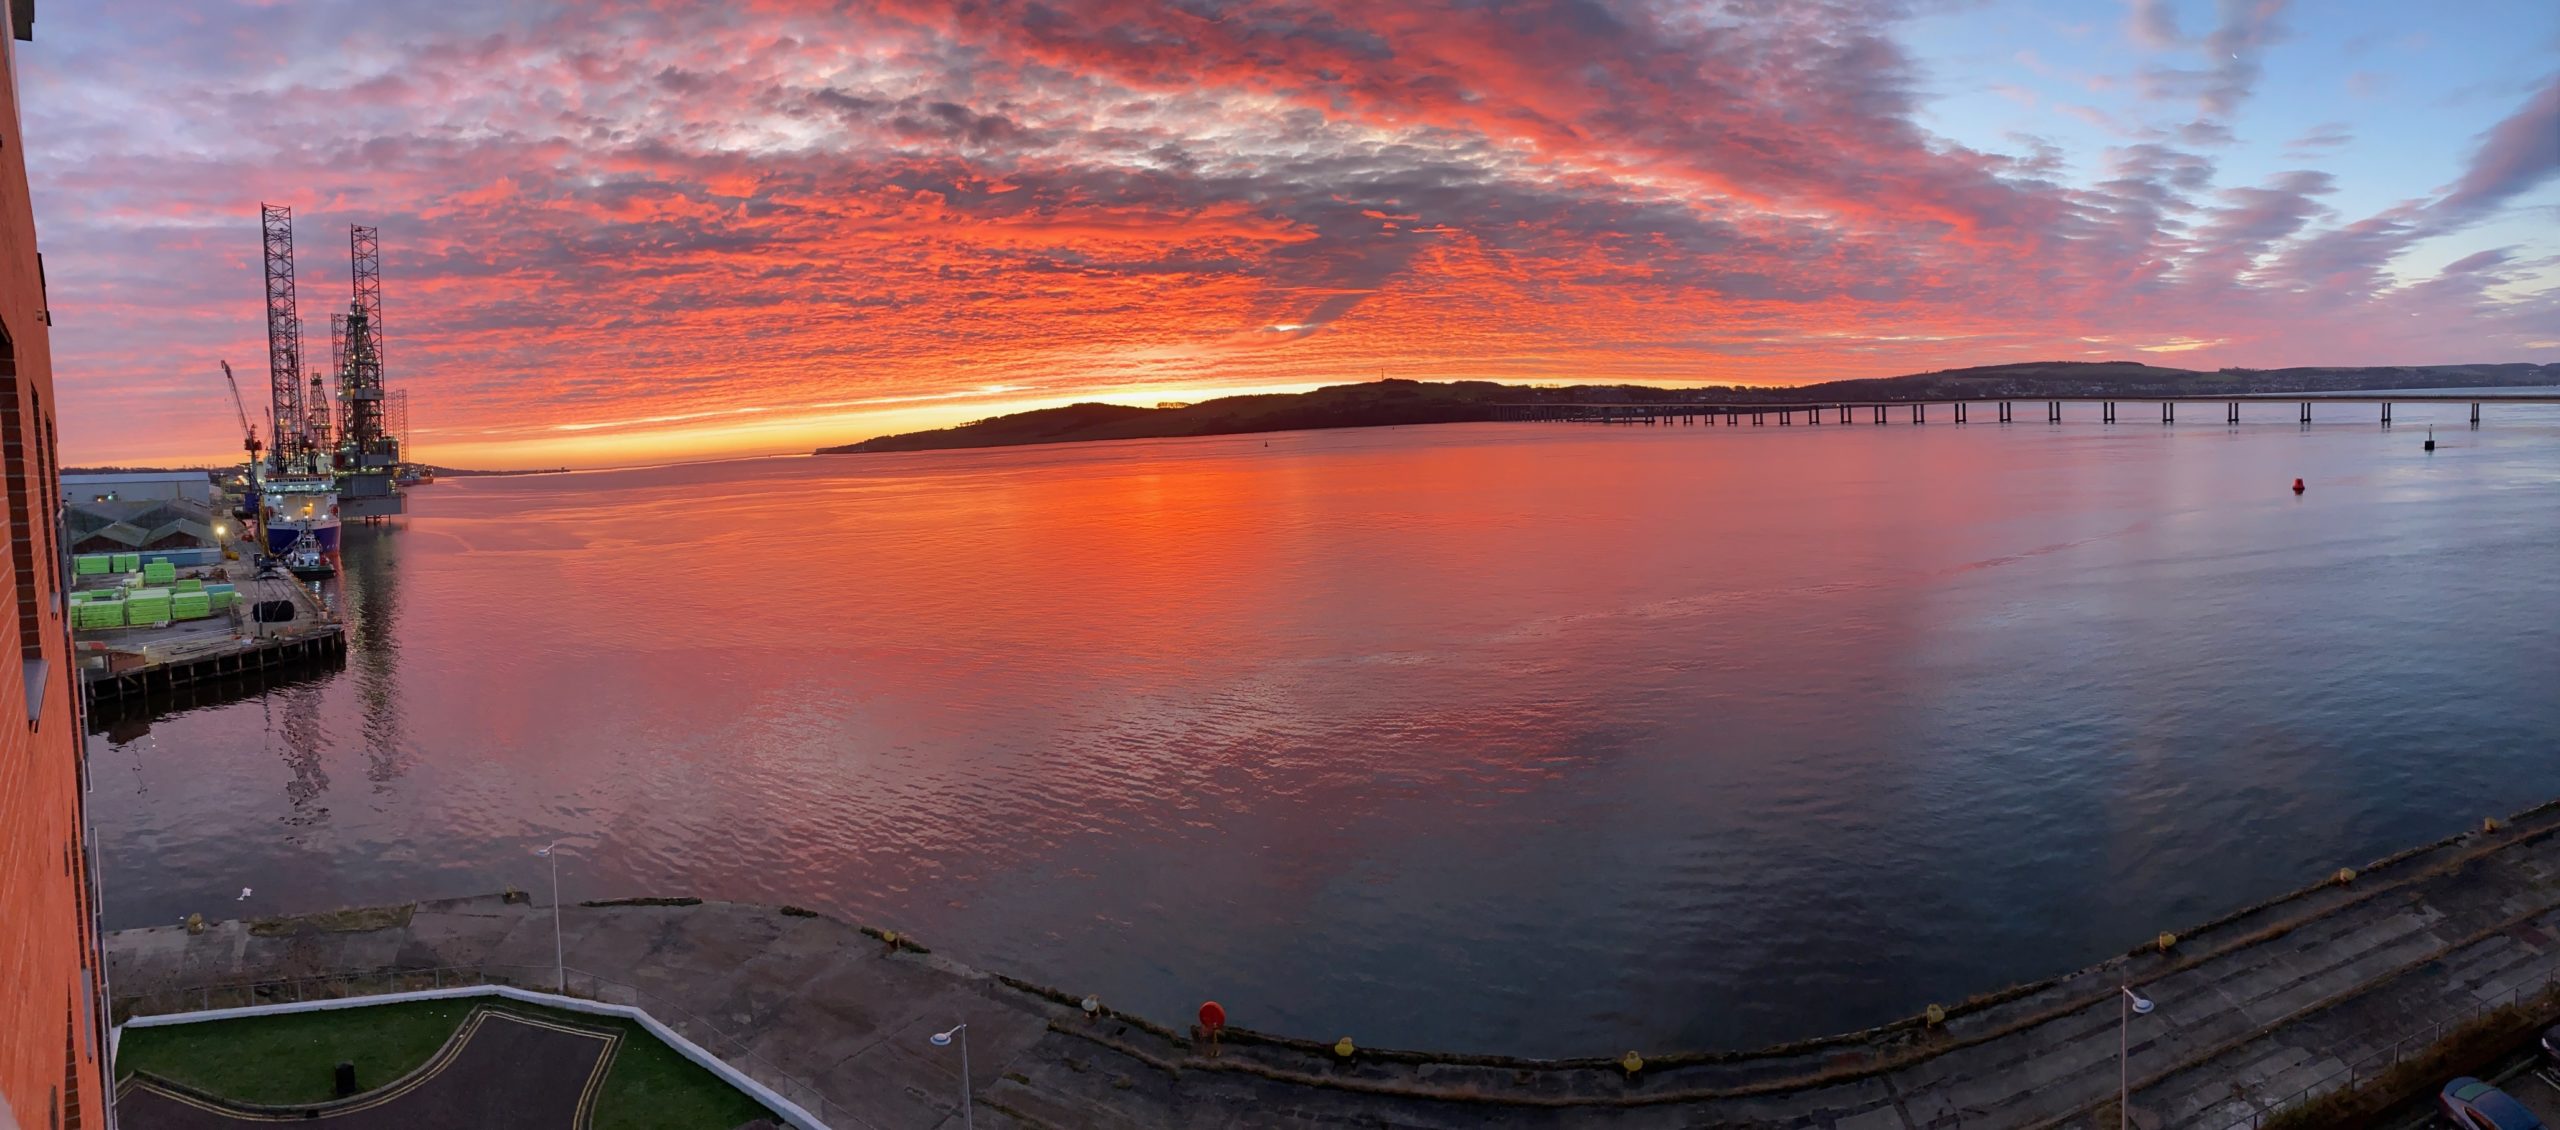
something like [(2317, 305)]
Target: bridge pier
[(2231, 414), (2386, 413), (2168, 411), (2004, 411), (2053, 411), (1959, 411), (1919, 413), (2306, 411), (2108, 413), (1879, 413), (2475, 414)]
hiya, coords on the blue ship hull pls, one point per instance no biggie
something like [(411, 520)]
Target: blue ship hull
[(281, 537)]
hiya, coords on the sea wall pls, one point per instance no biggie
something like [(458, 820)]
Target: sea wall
[(2257, 1008)]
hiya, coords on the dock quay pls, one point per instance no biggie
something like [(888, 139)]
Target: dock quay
[(2258, 1011), (2003, 410), (228, 643)]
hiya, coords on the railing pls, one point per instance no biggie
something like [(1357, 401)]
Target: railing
[(733, 1050), (2415, 1042)]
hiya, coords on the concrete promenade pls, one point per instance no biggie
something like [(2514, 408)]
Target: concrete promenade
[(2252, 1010)]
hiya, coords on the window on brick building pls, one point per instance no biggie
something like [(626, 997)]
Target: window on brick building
[(22, 476)]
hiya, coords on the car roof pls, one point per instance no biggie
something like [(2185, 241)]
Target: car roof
[(2501, 1110)]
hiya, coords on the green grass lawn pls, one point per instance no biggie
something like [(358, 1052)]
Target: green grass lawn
[(290, 1059)]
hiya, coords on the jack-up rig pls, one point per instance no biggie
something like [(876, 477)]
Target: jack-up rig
[(330, 454)]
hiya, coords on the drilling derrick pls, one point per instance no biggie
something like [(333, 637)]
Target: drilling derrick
[(338, 352), (288, 421), (370, 452)]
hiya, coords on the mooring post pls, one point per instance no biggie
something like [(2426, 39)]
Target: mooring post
[(1879, 413), (2233, 415), (2386, 413), (2168, 411), (2306, 411), (2475, 414), (1959, 411), (2053, 411)]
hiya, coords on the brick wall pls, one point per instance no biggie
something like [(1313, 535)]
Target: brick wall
[(52, 1033)]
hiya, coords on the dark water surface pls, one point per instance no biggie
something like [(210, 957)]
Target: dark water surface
[(1546, 739)]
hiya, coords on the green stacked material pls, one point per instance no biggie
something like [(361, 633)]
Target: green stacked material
[(83, 596), (147, 608), (189, 585), (218, 587), (93, 564), (127, 563), (159, 573), (222, 601), (98, 614), (190, 606)]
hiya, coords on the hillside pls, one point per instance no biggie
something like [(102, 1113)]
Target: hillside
[(1388, 402)]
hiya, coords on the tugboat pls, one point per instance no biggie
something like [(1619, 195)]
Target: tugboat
[(304, 558)]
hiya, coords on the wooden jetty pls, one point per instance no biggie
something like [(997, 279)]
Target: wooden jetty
[(121, 665), (1959, 409)]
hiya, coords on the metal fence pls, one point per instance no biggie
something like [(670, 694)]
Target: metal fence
[(736, 1051), (2372, 1064)]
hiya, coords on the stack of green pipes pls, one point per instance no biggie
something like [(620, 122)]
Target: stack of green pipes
[(93, 564), (159, 573), (128, 563), (224, 596), (90, 614), (147, 608), (190, 606)]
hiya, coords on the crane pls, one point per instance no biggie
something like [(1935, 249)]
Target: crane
[(248, 431), (249, 507)]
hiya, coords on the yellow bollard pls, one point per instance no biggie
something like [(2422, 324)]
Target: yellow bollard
[(2167, 941), (1632, 1063), (2345, 876), (195, 923), (2490, 824), (1342, 1048), (1934, 1014)]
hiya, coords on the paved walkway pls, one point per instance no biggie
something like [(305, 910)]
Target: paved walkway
[(2252, 1009), (499, 1071)]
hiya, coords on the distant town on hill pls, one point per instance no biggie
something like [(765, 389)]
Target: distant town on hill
[(1398, 402)]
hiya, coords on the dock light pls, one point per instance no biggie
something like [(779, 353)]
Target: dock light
[(2132, 1004), (943, 1040), (559, 951)]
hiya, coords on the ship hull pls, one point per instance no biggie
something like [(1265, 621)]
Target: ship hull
[(281, 537)]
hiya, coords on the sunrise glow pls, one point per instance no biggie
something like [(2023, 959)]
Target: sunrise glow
[(628, 233)]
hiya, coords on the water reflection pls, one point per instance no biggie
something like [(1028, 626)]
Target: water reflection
[(369, 582), (1539, 739)]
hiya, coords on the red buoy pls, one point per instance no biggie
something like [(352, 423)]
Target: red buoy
[(2297, 486)]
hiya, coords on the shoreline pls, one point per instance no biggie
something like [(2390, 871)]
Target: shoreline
[(2295, 974)]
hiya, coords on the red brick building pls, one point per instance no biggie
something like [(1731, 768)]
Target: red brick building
[(53, 1030)]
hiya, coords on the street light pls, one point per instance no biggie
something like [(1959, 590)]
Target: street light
[(2133, 1002), (560, 953), (943, 1040)]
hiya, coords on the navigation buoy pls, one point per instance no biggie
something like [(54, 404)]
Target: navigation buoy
[(2297, 486)]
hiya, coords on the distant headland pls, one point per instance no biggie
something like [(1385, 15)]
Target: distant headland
[(1397, 402)]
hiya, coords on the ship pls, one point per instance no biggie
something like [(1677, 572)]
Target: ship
[(292, 505)]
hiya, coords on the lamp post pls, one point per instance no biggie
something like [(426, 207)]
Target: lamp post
[(2132, 1002), (559, 952), (943, 1040)]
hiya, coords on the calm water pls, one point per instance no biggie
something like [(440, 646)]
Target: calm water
[(1545, 739)]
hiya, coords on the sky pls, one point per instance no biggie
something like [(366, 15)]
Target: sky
[(618, 233)]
